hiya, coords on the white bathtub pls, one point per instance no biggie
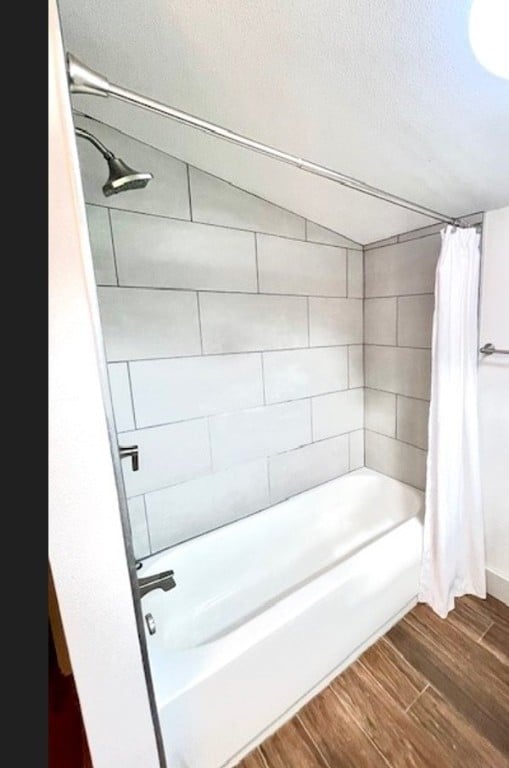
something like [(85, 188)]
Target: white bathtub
[(268, 609)]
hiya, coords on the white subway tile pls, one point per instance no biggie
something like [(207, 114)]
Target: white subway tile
[(356, 366), (139, 530), (298, 470), (337, 413), (214, 201), (380, 321), (167, 455), (400, 370), (292, 266), (355, 274), (121, 396), (402, 268), (356, 449), (245, 435), (413, 421), (380, 411), (101, 245), (184, 388), (165, 253), (166, 194), (191, 508), (242, 323), (318, 234), (396, 459), (300, 373), (415, 320), (139, 323), (335, 321)]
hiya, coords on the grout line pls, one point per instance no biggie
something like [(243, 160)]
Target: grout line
[(485, 632), (223, 292), (409, 397), (359, 724), (401, 295), (417, 697), (199, 324), (115, 266), (256, 262), (130, 385), (228, 354), (313, 742), (308, 396), (146, 523), (188, 174), (405, 442), (230, 227)]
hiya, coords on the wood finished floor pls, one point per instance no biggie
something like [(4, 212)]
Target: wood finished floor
[(431, 693)]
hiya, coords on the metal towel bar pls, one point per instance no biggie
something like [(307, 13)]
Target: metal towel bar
[(489, 349)]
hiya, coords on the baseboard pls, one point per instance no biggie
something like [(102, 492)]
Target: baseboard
[(321, 685), (497, 584)]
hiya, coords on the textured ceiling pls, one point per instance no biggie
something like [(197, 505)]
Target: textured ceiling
[(387, 91)]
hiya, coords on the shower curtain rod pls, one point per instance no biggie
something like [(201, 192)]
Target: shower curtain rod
[(84, 80)]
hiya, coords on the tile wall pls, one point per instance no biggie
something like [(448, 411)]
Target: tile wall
[(233, 332)]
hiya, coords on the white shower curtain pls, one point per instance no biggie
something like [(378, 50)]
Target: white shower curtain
[(453, 551)]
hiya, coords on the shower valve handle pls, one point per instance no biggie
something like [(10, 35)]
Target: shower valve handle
[(130, 451)]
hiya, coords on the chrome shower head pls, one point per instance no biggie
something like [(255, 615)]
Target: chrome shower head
[(122, 177)]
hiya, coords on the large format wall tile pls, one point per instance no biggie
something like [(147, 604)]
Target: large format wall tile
[(139, 529), (121, 396), (396, 270), (298, 470), (101, 245), (167, 194), (335, 321), (355, 274), (318, 234), (216, 202), (167, 455), (166, 253), (356, 449), (185, 388), (245, 435), (380, 321), (189, 509), (396, 459), (337, 413), (415, 319), (356, 366), (380, 412), (400, 370), (241, 323), (413, 421), (292, 374), (290, 266), (139, 324)]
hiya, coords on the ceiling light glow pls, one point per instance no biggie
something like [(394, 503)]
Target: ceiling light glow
[(489, 35)]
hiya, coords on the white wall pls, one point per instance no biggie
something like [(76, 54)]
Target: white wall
[(494, 399), (86, 546)]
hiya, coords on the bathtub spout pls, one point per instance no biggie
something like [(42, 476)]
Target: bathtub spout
[(164, 581)]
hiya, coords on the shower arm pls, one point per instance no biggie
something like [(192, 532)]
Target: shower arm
[(105, 152), (84, 80)]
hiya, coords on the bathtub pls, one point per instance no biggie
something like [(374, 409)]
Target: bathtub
[(267, 610)]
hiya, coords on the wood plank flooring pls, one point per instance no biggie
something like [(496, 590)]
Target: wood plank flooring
[(431, 693)]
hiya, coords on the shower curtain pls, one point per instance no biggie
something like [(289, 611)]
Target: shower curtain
[(453, 549)]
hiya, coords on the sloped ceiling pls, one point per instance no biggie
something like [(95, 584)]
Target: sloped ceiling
[(387, 91)]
